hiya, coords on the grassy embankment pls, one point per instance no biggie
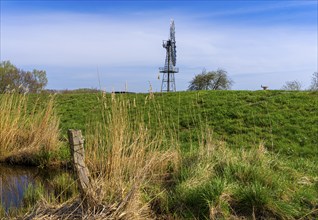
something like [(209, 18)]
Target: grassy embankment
[(259, 161), (286, 122)]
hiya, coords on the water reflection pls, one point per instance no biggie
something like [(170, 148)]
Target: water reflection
[(14, 181)]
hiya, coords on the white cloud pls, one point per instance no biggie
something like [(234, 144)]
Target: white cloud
[(128, 48), (77, 41)]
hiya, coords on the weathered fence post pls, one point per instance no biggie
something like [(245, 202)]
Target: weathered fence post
[(76, 141)]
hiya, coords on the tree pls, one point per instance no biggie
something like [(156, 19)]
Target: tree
[(292, 85), (213, 80), (12, 78), (9, 75), (314, 82)]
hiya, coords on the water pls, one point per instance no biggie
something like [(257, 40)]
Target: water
[(15, 179)]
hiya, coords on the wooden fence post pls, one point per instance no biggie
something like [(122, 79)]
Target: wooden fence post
[(76, 141)]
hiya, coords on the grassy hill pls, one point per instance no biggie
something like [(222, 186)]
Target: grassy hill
[(286, 122)]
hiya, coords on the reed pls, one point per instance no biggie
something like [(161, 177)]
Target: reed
[(129, 160), (27, 133)]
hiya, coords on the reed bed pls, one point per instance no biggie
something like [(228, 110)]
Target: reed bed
[(27, 131)]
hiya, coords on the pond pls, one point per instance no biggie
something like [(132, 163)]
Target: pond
[(15, 179)]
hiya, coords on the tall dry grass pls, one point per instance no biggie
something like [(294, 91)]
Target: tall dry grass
[(128, 161), (26, 130)]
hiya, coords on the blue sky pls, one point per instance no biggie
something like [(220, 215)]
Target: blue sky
[(80, 43)]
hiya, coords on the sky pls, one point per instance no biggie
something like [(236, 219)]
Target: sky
[(114, 45)]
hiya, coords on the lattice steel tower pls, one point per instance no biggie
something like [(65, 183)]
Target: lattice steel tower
[(168, 80)]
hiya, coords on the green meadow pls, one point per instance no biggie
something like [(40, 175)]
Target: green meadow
[(285, 122)]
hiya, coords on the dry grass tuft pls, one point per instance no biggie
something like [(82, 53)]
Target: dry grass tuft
[(127, 160), (26, 131)]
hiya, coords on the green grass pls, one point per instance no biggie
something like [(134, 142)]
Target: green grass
[(219, 182), (286, 122)]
